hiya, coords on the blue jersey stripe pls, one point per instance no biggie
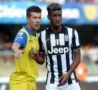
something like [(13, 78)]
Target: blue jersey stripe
[(21, 38)]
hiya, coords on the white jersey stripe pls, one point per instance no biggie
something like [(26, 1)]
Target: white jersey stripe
[(70, 36), (76, 38), (61, 39), (43, 38), (52, 39), (63, 56)]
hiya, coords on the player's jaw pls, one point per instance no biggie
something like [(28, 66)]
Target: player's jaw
[(56, 24), (37, 26)]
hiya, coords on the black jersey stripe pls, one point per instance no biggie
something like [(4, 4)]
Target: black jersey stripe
[(59, 61), (59, 64), (52, 71)]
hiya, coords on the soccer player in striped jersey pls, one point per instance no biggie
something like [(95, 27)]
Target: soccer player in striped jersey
[(26, 71), (62, 48)]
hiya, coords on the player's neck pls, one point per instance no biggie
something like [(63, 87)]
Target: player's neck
[(56, 29), (34, 31)]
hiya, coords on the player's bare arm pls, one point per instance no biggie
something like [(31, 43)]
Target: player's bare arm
[(76, 61), (17, 51)]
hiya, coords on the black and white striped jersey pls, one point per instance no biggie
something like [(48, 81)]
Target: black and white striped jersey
[(59, 48)]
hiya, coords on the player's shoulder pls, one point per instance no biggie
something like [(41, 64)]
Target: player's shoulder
[(42, 33), (44, 30), (22, 32), (69, 28)]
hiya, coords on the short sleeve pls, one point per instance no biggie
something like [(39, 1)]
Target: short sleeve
[(75, 40), (21, 38)]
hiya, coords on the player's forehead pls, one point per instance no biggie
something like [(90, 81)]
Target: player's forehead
[(35, 14), (56, 12)]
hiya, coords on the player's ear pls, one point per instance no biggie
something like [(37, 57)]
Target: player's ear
[(28, 19)]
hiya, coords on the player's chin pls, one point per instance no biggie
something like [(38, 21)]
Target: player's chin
[(57, 25), (37, 27)]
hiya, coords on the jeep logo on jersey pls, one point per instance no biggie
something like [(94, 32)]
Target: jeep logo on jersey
[(60, 50)]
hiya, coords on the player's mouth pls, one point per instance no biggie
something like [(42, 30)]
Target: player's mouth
[(57, 22), (38, 26)]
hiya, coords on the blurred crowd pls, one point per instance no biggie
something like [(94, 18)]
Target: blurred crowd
[(59, 1), (6, 54), (89, 53), (5, 40)]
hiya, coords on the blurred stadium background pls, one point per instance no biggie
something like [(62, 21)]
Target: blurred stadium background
[(80, 14)]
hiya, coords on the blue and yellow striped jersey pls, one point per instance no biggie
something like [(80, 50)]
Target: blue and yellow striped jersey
[(26, 67)]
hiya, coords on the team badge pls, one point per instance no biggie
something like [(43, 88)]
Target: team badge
[(90, 12)]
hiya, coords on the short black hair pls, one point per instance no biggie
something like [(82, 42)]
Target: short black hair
[(32, 9), (53, 7)]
